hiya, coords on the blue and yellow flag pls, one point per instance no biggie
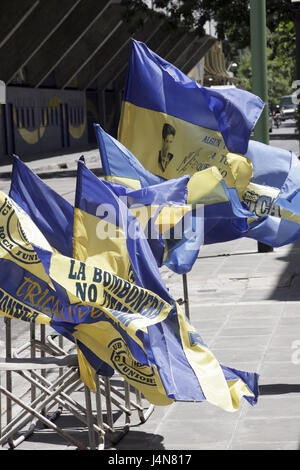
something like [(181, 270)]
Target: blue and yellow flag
[(174, 126), (188, 211), (39, 284), (111, 301), (54, 217), (171, 344)]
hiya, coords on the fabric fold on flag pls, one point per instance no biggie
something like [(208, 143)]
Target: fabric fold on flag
[(274, 231), (288, 197), (119, 165), (271, 165)]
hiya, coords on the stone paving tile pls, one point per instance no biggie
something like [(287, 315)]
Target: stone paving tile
[(4, 186), (196, 432), (284, 369), (206, 324), (282, 429), (235, 355), (199, 446), (261, 294), (140, 439), (246, 331), (291, 314), (247, 342), (285, 330), (289, 319), (279, 385), (276, 406), (257, 307), (260, 323), (284, 341), (263, 312), (258, 445), (279, 355), (196, 412)]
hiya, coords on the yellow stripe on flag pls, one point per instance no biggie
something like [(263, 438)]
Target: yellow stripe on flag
[(99, 242), (129, 182), (216, 389)]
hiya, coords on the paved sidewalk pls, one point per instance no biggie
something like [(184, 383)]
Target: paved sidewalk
[(245, 305), (55, 166)]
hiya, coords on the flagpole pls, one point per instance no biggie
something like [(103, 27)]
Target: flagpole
[(259, 75), (186, 296)]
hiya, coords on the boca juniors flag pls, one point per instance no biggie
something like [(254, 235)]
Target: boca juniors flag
[(174, 126), (175, 347), (123, 316), (189, 210)]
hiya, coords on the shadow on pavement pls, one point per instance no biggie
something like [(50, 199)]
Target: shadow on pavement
[(140, 440), (288, 287), (278, 389)]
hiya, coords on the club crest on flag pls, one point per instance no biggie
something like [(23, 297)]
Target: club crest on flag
[(12, 237), (125, 363)]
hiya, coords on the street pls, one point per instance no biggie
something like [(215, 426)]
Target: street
[(285, 137)]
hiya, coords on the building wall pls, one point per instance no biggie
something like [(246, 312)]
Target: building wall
[(41, 121)]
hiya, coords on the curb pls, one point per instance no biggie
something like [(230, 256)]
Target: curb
[(283, 137), (55, 173)]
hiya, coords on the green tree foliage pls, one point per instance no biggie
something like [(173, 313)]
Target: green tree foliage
[(232, 19), (280, 63), (232, 16)]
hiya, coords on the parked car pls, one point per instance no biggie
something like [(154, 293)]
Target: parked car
[(288, 108)]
